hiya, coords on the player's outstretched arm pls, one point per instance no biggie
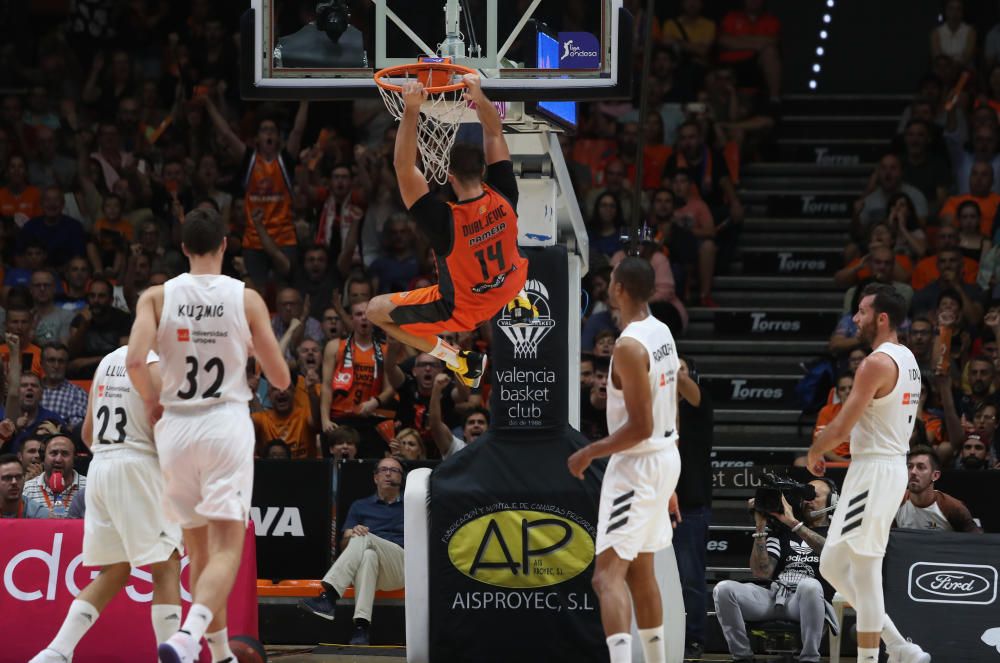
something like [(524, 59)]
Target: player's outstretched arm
[(873, 373), (140, 342), (631, 365), (412, 185), (494, 144), (265, 345)]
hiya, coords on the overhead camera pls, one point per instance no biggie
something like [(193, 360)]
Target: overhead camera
[(333, 17), (767, 499)]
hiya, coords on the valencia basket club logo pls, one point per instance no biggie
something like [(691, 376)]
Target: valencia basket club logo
[(526, 338)]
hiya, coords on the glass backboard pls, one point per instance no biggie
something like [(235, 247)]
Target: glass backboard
[(526, 50)]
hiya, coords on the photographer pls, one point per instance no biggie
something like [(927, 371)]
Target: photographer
[(786, 552), (329, 40)]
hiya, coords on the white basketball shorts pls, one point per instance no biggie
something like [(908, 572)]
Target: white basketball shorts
[(872, 492), (207, 463), (633, 516), (124, 520)]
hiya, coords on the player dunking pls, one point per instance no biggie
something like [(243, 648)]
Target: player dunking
[(878, 417), (123, 524), (480, 268), (204, 325), (633, 521)]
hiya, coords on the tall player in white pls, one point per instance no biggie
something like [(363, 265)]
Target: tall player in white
[(123, 525), (205, 326), (878, 417), (633, 520)]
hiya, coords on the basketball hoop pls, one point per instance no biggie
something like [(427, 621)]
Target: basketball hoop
[(440, 114)]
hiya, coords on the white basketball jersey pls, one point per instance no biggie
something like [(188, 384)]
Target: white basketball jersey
[(120, 420), (204, 342), (887, 423), (663, 366)]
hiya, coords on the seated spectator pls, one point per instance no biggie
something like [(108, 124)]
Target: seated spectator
[(786, 552), (48, 167), (316, 280), (842, 453), (341, 443), (112, 237), (56, 494), (20, 321), (981, 193), (954, 38), (678, 243), (612, 180), (974, 455), (586, 371), (277, 449), (62, 236), (371, 552), (397, 265), (475, 421), (926, 270), (606, 225), (33, 257), (59, 395), (407, 445), (860, 268), (30, 411), (924, 507), (18, 199), (971, 242), (604, 343), (740, 117), (694, 216), (926, 169), (882, 262), (983, 148), (594, 405), (691, 36), (904, 226), (13, 502), (748, 41), (98, 330), (31, 453), (951, 280), (76, 276), (713, 182), (51, 322), (920, 341), (875, 206), (286, 420)]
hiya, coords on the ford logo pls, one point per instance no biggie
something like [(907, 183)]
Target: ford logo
[(952, 583)]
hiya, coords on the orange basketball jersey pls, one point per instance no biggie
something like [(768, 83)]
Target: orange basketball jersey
[(269, 189), (351, 391)]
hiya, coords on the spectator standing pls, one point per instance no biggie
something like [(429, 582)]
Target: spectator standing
[(293, 317), (19, 333), (926, 271), (316, 280), (615, 181), (52, 324), (927, 170), (56, 494), (76, 276), (954, 38), (59, 394), (983, 148), (980, 191), (397, 266), (98, 330), (748, 40), (48, 167), (415, 387), (372, 552), (691, 36), (973, 455), (407, 445), (13, 502), (875, 206), (951, 278), (18, 199), (707, 168), (606, 225), (343, 209), (475, 421), (31, 453), (286, 420), (695, 216), (924, 507), (694, 494), (594, 404)]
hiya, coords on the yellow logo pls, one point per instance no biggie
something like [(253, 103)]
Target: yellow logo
[(521, 549)]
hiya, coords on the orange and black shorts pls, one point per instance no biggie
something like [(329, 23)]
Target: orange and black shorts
[(427, 312)]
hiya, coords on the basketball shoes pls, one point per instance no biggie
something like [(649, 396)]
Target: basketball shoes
[(470, 368), (521, 311)]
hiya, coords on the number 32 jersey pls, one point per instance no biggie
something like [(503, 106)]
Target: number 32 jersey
[(119, 415), (204, 342)]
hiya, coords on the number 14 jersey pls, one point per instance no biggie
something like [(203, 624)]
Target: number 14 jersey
[(204, 343)]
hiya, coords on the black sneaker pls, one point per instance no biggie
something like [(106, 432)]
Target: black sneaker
[(471, 367), (360, 635), (694, 651), (321, 606)]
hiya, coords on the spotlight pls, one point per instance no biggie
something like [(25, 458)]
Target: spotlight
[(816, 68), (819, 50), (829, 3), (826, 18), (823, 34), (812, 85)]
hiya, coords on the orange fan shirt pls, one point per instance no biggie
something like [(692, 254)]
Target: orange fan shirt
[(268, 186), (364, 386), (28, 202)]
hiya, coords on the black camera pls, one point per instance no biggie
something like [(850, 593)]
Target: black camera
[(333, 17), (767, 499)]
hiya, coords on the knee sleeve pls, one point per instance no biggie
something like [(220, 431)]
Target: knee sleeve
[(869, 603), (834, 566)]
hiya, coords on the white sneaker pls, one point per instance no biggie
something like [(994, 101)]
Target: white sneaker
[(908, 653), (50, 656), (180, 648)]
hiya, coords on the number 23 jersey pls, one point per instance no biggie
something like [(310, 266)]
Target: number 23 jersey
[(119, 416), (204, 343)]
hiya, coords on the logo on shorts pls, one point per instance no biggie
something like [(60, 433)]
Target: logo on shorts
[(931, 582), (526, 338), (183, 335), (521, 549)]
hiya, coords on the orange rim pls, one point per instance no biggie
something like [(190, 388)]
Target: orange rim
[(418, 67)]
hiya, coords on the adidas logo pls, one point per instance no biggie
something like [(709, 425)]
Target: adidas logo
[(172, 618), (621, 642), (88, 616), (655, 638)]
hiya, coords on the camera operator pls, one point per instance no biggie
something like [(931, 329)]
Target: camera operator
[(786, 552), (327, 41)]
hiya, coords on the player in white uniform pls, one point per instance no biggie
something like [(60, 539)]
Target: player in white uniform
[(204, 326), (878, 417), (633, 520), (123, 524)]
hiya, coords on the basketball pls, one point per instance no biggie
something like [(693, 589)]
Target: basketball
[(247, 650)]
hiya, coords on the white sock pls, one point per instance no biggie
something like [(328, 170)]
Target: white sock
[(891, 635), (166, 620), (218, 644), (198, 619), (620, 647), (445, 353), (79, 619), (867, 655), (654, 649)]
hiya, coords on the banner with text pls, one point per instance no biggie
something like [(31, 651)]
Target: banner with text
[(948, 579), (511, 553), (529, 364), (43, 572)]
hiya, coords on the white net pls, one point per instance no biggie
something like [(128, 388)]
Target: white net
[(440, 116)]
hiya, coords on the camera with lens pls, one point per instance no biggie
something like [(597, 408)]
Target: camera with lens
[(333, 17), (767, 499)]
